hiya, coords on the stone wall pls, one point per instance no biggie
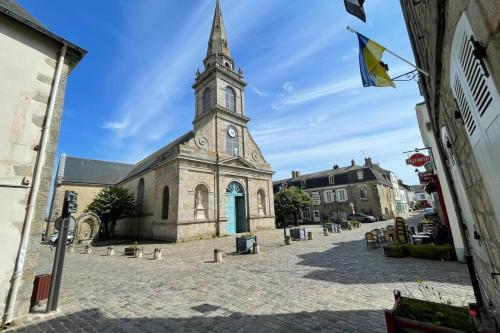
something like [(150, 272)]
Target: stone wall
[(27, 70), (432, 26), (86, 193)]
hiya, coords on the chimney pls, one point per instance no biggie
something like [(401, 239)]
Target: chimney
[(295, 174), (368, 162), (335, 166), (353, 162)]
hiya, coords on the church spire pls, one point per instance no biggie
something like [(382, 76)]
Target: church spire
[(218, 44)]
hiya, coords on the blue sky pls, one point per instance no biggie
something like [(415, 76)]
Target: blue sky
[(132, 93)]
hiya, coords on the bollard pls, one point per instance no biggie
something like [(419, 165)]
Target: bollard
[(111, 251), (70, 248), (157, 254), (137, 253), (309, 235), (217, 255), (255, 248), (325, 231), (88, 250), (288, 240)]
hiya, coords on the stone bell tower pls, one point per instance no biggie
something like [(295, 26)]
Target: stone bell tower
[(219, 88)]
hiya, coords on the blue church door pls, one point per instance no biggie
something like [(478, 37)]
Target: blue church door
[(235, 209)]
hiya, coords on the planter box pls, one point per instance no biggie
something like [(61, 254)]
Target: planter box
[(345, 225), (298, 234), (432, 251), (396, 323), (395, 251), (129, 251), (244, 244)]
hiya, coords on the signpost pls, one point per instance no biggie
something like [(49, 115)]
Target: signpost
[(418, 160), (69, 207)]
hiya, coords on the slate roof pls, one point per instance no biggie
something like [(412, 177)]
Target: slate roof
[(87, 171), (157, 157), (342, 176), (15, 11)]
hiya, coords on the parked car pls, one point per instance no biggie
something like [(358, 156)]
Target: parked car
[(430, 213), (363, 218), (53, 238)]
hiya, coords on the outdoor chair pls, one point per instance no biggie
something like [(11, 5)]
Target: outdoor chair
[(390, 235), (371, 242)]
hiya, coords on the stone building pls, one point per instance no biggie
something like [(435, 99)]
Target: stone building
[(212, 180), (86, 177), (367, 187), (34, 67), (458, 43)]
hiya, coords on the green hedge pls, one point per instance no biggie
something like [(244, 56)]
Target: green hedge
[(426, 251), (436, 313)]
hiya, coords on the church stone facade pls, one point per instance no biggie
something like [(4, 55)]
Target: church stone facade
[(213, 180)]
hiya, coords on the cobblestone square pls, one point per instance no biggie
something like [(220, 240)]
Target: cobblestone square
[(329, 284)]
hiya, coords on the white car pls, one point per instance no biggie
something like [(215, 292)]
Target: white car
[(53, 238)]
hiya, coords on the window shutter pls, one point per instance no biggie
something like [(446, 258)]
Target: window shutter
[(479, 103)]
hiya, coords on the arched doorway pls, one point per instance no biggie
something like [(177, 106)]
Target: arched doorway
[(235, 208)]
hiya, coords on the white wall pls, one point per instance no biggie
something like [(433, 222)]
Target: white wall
[(27, 67), (430, 141)]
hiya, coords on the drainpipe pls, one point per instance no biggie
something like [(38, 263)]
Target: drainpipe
[(40, 163)]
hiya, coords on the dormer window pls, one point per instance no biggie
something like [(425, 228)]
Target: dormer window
[(206, 100), (302, 184), (230, 99), (331, 179), (360, 175)]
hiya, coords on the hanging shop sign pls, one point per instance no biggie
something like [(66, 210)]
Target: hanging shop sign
[(418, 160), (425, 177)]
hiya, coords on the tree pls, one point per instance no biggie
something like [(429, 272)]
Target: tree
[(111, 204), (290, 200)]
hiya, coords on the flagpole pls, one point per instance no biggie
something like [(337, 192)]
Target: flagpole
[(396, 55)]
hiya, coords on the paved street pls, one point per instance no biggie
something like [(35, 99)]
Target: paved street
[(330, 284)]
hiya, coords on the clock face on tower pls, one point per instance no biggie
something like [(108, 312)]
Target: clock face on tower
[(231, 132)]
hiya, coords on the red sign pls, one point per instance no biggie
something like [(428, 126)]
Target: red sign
[(425, 177), (418, 160)]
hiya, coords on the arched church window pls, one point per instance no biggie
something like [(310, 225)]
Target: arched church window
[(140, 195), (165, 203), (261, 202), (201, 202), (230, 99), (207, 100), (232, 141)]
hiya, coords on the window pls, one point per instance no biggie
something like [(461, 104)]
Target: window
[(165, 203), (478, 100), (306, 213), (363, 193), (140, 195), (230, 99), (207, 100), (341, 195), (328, 196), (360, 175), (302, 184), (331, 179), (232, 141)]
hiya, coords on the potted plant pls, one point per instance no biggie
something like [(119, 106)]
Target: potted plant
[(245, 242), (432, 251), (130, 250), (419, 316)]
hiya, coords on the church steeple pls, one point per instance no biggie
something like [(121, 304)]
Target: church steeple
[(218, 46)]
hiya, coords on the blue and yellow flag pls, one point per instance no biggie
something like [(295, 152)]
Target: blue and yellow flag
[(373, 71)]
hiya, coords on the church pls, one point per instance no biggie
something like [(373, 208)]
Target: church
[(211, 181)]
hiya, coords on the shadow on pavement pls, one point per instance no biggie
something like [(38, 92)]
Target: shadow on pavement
[(352, 263), (94, 320)]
